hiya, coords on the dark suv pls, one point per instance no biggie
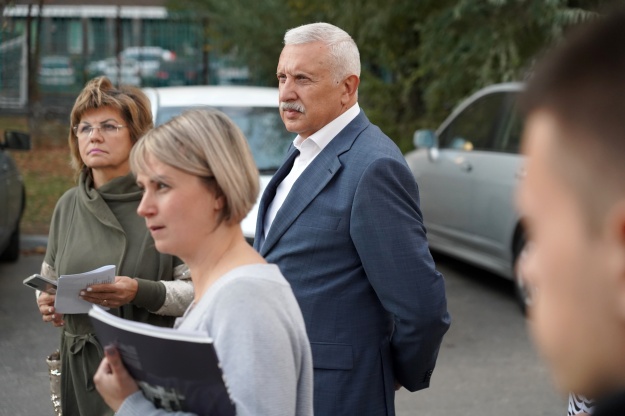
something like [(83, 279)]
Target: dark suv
[(12, 195)]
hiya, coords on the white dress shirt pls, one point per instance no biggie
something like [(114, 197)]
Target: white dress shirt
[(309, 149)]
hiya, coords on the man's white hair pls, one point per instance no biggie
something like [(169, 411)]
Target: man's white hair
[(343, 50)]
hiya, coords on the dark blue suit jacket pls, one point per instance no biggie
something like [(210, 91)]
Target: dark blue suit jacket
[(350, 240)]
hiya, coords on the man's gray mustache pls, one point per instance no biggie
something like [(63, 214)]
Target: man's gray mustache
[(292, 106)]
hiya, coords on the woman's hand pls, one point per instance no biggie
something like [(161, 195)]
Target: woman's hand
[(112, 295), (45, 302), (112, 380)]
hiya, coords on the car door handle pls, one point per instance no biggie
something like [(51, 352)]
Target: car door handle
[(465, 166)]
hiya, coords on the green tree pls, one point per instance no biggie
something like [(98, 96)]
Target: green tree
[(468, 44), (419, 57)]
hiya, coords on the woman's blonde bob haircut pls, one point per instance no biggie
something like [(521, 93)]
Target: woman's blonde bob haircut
[(131, 102), (207, 144)]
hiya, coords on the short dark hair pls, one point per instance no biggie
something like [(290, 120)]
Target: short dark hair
[(582, 83)]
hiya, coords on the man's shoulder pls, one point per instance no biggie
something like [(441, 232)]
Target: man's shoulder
[(611, 406), (372, 143), (371, 136)]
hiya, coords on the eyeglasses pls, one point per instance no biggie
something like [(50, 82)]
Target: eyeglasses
[(106, 129)]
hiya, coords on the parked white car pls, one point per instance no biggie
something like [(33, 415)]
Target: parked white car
[(124, 71), (56, 70), (467, 172), (253, 109)]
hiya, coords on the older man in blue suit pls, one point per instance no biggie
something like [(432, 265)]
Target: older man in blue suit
[(341, 219)]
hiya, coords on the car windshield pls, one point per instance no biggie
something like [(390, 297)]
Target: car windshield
[(55, 63), (262, 126), (148, 54), (143, 56)]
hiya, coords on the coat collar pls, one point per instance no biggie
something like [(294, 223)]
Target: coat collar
[(312, 181), (123, 189)]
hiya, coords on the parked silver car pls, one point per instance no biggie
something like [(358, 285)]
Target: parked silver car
[(253, 109), (12, 195), (467, 172)]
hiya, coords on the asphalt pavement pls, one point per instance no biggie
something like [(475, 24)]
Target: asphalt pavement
[(487, 365), (25, 341)]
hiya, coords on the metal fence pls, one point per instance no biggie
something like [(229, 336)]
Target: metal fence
[(68, 45), (13, 76)]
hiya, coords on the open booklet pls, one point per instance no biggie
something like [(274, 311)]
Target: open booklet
[(68, 299), (176, 370)]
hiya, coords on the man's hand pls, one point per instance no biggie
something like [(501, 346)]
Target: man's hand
[(112, 295), (112, 380), (45, 302)]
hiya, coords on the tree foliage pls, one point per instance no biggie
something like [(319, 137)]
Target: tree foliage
[(469, 44), (419, 57)]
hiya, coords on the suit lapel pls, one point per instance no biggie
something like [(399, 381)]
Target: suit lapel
[(311, 182), (270, 193)]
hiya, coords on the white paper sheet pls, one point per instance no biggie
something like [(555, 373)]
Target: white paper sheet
[(68, 299)]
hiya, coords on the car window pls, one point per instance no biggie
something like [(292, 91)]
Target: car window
[(510, 139), (262, 126), (144, 56), (476, 126), (55, 64)]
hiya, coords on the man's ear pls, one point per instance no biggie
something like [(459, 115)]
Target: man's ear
[(615, 229), (350, 89)]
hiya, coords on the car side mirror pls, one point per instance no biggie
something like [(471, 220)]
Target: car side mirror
[(16, 140), (424, 139)]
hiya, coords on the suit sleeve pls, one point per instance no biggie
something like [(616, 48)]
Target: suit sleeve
[(388, 233)]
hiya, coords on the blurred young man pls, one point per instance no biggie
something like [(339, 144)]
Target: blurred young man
[(573, 201)]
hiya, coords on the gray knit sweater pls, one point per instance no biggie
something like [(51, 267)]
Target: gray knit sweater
[(260, 339)]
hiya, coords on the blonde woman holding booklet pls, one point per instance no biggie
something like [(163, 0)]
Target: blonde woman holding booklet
[(199, 181)]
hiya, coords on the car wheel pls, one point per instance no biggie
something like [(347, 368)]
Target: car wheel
[(12, 252), (520, 284)]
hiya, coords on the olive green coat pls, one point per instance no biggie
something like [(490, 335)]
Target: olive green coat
[(92, 228)]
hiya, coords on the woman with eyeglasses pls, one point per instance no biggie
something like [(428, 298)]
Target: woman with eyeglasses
[(96, 224)]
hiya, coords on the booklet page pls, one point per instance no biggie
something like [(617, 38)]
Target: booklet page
[(68, 299)]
